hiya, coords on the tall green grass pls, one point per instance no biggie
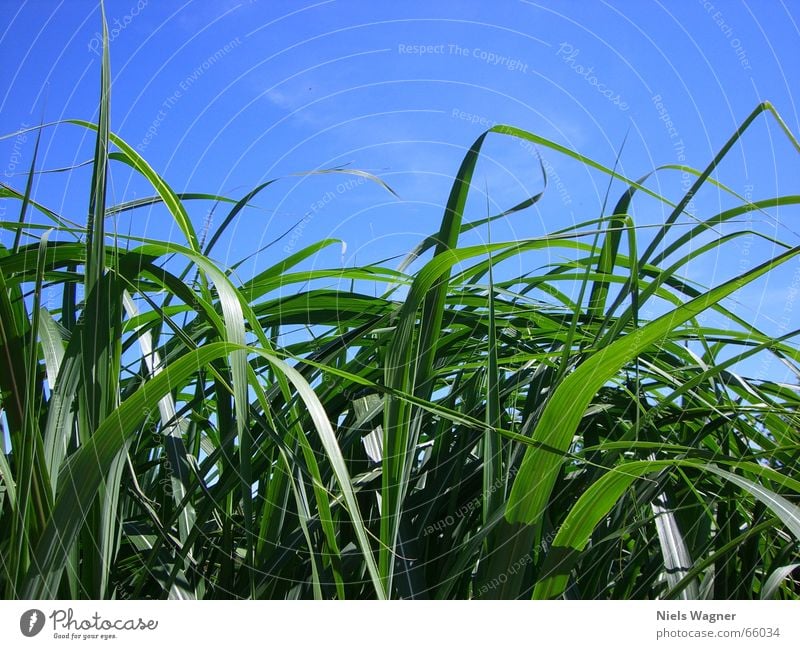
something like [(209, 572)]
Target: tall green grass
[(465, 434)]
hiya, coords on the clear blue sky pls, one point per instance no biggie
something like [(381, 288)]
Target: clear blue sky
[(220, 96)]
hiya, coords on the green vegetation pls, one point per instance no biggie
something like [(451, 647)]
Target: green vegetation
[(466, 434)]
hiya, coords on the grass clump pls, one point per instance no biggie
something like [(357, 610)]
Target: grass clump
[(465, 434)]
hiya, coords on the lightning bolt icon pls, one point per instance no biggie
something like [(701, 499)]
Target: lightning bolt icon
[(32, 621)]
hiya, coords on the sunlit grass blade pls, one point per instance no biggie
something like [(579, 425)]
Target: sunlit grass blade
[(560, 418)]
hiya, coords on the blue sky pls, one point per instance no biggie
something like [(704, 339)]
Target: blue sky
[(220, 96)]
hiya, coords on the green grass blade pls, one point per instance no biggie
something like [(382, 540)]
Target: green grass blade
[(559, 420), (596, 502), (776, 579)]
